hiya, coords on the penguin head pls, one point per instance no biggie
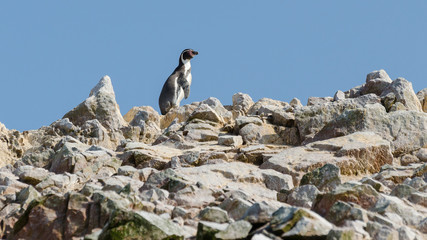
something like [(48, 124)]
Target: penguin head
[(188, 54)]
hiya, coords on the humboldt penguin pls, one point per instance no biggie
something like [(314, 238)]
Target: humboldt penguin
[(177, 86)]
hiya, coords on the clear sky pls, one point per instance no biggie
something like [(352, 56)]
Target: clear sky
[(53, 52)]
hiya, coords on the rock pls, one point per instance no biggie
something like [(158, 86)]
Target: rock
[(402, 191), (376, 82), (259, 213), (243, 121), (422, 96), (400, 91), (242, 103), (134, 224), (153, 195), (32, 175), (295, 222), (201, 132), (43, 219), (341, 234), (302, 196), (394, 205), (236, 230), (339, 95), (377, 185), (26, 195), (354, 154), (236, 207), (229, 140), (208, 230), (277, 181), (205, 112), (282, 118), (214, 214), (361, 194), (265, 134), (318, 100), (216, 105), (266, 106), (76, 215), (341, 212), (100, 105), (408, 159), (422, 226), (378, 231), (422, 154), (313, 118), (326, 178), (181, 113), (295, 103), (147, 119)]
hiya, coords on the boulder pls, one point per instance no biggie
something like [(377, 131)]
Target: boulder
[(241, 104), (214, 214), (339, 95), (422, 96), (266, 106), (230, 140), (292, 222), (326, 178), (376, 82), (217, 106), (399, 95), (101, 104), (354, 154), (302, 196), (181, 113), (134, 224), (147, 119)]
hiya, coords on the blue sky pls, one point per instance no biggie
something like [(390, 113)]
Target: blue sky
[(53, 52)]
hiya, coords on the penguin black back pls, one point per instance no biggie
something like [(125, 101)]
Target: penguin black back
[(177, 86)]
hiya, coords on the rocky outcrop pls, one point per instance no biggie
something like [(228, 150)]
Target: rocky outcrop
[(349, 167)]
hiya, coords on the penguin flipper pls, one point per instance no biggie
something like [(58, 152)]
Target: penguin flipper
[(185, 86)]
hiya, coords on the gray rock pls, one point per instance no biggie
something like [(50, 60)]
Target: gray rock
[(376, 82), (361, 194), (402, 191), (128, 171), (242, 103), (267, 106), (265, 134), (295, 103), (230, 140), (341, 212), (243, 121), (422, 96), (236, 207), (208, 230), (326, 178), (26, 195), (353, 154), (311, 119), (377, 185), (153, 195), (299, 223), (258, 213), (339, 95), (283, 118), (341, 234), (277, 181), (133, 225), (236, 230), (400, 91), (312, 101), (302, 196), (214, 214), (422, 226), (205, 112), (100, 105), (415, 182), (216, 105), (200, 132), (378, 231), (391, 204), (32, 175), (422, 154)]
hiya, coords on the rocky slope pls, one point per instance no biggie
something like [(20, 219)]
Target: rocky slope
[(352, 166)]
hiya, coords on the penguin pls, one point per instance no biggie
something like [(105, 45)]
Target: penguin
[(177, 86)]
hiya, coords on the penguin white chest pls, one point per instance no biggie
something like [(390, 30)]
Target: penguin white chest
[(180, 96)]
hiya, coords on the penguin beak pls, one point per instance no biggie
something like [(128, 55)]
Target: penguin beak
[(195, 53)]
